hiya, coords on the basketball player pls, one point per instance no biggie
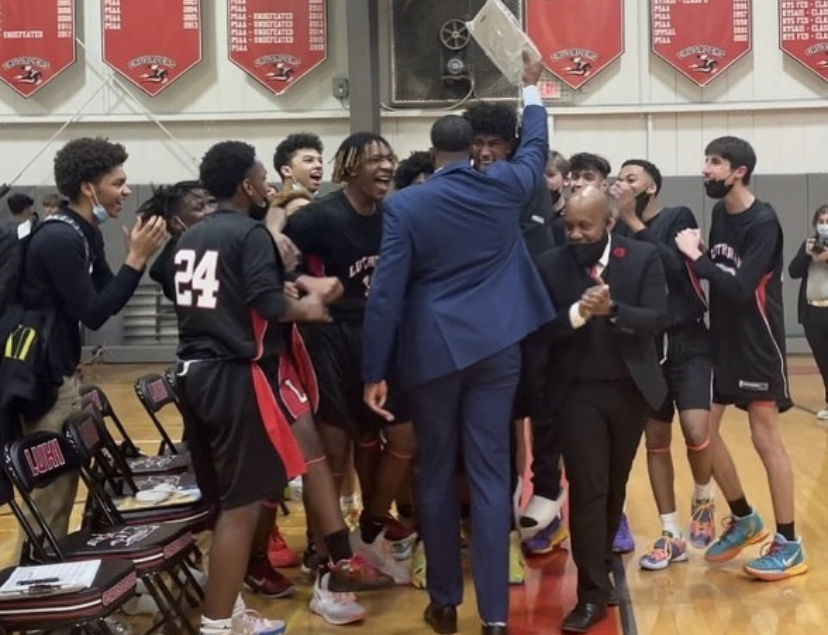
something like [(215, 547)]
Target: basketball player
[(238, 391), (586, 168), (686, 363), (342, 232), (743, 265)]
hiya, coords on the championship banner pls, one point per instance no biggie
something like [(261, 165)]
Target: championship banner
[(37, 42), (803, 33), (701, 40), (151, 42), (278, 42), (577, 38)]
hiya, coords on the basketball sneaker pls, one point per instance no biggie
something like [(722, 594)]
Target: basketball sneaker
[(738, 534), (547, 538), (702, 523), (418, 566), (334, 608), (264, 580), (665, 550), (356, 574), (380, 555), (623, 541), (280, 555), (252, 623), (780, 559), (517, 575), (351, 507)]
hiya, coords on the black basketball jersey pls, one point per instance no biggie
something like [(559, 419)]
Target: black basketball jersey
[(225, 267), (346, 244), (746, 311)]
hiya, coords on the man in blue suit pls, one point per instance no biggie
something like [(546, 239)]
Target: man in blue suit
[(456, 292)]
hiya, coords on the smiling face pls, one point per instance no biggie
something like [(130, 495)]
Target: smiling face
[(488, 148), (110, 191), (305, 168), (372, 177)]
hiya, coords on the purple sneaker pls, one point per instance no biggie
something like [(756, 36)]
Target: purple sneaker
[(623, 541), (547, 538)]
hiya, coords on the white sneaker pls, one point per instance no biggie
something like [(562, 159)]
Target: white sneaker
[(252, 623), (335, 608), (822, 415), (380, 554)]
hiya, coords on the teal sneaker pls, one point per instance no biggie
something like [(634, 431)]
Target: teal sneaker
[(780, 559), (738, 534)]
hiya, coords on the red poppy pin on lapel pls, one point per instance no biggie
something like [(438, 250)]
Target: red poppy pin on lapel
[(619, 252)]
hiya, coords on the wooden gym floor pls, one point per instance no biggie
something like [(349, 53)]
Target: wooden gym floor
[(686, 599)]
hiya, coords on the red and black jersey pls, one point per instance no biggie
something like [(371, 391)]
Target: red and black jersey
[(228, 286), (345, 243), (744, 268)]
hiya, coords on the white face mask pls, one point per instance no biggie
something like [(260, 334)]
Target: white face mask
[(822, 231)]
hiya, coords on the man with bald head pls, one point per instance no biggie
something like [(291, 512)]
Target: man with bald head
[(597, 376)]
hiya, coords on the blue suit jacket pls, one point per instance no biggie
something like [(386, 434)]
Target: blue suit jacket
[(455, 283)]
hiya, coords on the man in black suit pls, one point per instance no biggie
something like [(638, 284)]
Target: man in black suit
[(599, 377)]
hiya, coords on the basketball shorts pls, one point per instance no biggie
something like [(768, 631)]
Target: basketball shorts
[(336, 352), (237, 416), (688, 371)]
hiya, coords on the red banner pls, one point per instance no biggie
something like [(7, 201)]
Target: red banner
[(151, 42), (577, 38), (701, 40), (803, 33), (277, 42), (37, 42)]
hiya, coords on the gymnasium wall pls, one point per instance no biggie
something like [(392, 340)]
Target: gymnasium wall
[(637, 107)]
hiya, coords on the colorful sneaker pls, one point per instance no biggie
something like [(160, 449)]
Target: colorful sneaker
[(664, 552), (738, 534), (623, 541), (401, 537), (351, 507), (547, 538), (252, 623), (517, 574), (280, 555), (356, 574), (780, 559), (264, 580), (702, 523), (335, 608), (418, 566), (380, 554)]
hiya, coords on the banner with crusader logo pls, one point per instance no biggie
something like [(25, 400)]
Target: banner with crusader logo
[(37, 42), (577, 38), (803, 33), (701, 41), (151, 42), (277, 42)]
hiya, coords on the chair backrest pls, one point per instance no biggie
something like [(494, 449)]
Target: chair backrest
[(154, 392), (37, 459), (97, 397)]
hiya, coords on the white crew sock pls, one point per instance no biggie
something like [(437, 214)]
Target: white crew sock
[(703, 492), (669, 522)]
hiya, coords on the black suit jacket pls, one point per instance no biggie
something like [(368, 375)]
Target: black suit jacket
[(637, 284)]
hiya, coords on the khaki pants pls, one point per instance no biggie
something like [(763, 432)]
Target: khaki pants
[(56, 500)]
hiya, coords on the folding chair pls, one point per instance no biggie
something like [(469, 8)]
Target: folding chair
[(155, 392), (156, 551), (81, 611), (123, 498)]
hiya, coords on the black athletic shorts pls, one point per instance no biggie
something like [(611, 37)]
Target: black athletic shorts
[(688, 370), (336, 352), (237, 417)]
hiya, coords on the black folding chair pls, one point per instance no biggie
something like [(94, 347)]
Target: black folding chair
[(155, 392), (157, 551)]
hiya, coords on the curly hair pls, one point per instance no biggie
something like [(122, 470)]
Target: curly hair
[(167, 200), (409, 169), (225, 166), (288, 148), (86, 160), (352, 153), (495, 119)]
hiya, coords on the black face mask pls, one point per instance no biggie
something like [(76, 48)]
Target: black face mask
[(556, 196), (641, 202), (587, 254), (258, 211), (717, 189)]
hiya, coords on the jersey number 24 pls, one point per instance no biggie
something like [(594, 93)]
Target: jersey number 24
[(196, 279)]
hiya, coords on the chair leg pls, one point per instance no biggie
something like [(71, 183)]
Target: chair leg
[(154, 585), (176, 607)]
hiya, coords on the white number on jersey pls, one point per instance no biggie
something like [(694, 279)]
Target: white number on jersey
[(197, 279)]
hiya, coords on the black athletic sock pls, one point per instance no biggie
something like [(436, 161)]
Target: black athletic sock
[(740, 507), (339, 547), (787, 531), (370, 527)]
